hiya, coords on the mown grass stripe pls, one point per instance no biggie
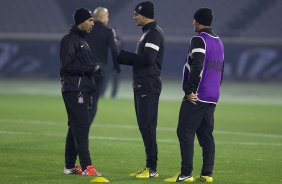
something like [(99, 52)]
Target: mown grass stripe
[(129, 139), (115, 126)]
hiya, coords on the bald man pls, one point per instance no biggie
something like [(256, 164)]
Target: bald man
[(100, 39)]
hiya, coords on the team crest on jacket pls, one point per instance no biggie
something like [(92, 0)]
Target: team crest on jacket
[(80, 98)]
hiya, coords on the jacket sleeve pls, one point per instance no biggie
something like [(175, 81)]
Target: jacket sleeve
[(72, 60), (197, 57), (113, 46), (123, 58), (152, 47)]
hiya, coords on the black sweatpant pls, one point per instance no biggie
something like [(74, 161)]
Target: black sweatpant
[(109, 77), (196, 119), (80, 117), (100, 82), (146, 108)]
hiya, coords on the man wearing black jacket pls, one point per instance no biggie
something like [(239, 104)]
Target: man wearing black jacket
[(79, 92), (147, 63), (100, 39)]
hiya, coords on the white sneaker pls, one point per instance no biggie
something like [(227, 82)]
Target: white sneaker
[(75, 170)]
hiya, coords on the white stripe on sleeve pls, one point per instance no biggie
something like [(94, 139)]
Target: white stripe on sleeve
[(153, 46), (187, 66), (199, 50)]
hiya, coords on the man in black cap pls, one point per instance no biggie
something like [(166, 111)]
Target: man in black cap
[(146, 63), (79, 92), (202, 76)]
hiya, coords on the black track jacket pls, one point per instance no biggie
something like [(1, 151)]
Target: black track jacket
[(77, 62), (147, 62), (100, 39)]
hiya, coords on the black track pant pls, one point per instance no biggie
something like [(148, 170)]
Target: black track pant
[(146, 108), (102, 82), (80, 117), (196, 119)]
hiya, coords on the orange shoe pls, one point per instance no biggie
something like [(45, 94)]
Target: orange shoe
[(91, 171), (75, 170)]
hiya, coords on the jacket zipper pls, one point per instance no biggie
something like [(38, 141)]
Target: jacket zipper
[(79, 80)]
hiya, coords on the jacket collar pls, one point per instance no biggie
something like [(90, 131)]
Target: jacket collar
[(207, 30), (98, 23), (149, 26), (77, 31)]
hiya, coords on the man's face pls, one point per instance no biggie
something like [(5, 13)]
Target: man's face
[(195, 24), (87, 25), (139, 19)]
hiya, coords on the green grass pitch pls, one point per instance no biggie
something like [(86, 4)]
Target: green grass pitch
[(33, 128)]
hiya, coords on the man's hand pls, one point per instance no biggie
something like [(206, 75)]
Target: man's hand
[(97, 70), (192, 97)]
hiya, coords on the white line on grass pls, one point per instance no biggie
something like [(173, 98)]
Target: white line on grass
[(103, 138), (239, 93), (115, 126)]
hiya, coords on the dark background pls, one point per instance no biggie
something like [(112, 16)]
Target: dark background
[(250, 30)]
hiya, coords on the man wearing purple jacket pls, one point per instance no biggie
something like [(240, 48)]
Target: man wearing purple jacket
[(202, 76)]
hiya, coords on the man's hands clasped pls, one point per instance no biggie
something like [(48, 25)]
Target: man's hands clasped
[(192, 97)]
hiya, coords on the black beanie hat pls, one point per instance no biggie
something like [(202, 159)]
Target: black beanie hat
[(204, 16), (81, 15), (146, 9)]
